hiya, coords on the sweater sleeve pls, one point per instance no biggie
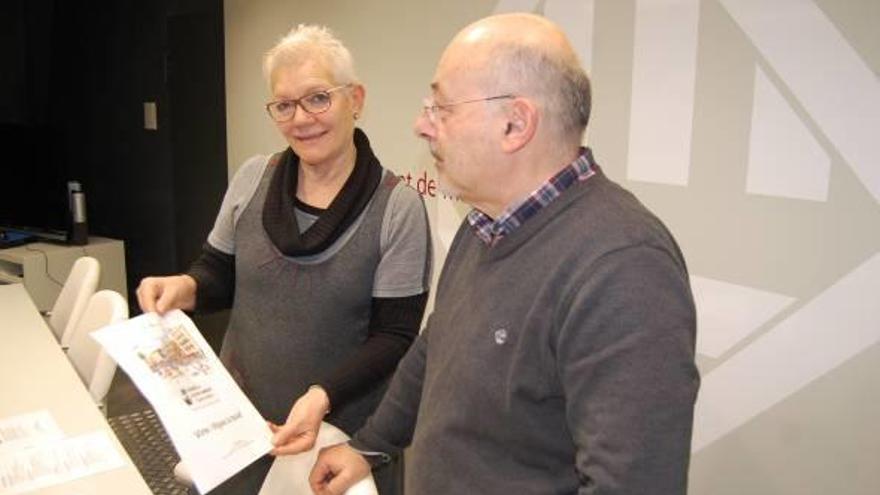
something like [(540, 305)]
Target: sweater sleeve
[(390, 429), (214, 273), (405, 243), (627, 369), (394, 323)]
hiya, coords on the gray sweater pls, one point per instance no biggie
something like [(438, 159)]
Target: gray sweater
[(558, 361)]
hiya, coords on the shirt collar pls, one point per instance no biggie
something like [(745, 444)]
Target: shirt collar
[(491, 231)]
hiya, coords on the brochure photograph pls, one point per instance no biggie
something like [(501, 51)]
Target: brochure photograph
[(214, 427)]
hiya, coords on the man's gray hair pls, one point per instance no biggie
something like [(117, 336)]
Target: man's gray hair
[(557, 81), (310, 42)]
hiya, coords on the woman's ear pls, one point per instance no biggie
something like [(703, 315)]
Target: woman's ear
[(521, 125), (358, 95)]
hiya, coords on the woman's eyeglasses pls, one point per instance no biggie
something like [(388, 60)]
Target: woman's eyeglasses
[(312, 103)]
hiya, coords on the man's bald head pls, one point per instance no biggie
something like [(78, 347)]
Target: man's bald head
[(519, 28), (526, 55)]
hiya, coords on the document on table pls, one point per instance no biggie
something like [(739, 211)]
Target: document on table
[(34, 453), (214, 427), (26, 430)]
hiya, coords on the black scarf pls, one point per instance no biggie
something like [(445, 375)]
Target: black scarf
[(279, 219)]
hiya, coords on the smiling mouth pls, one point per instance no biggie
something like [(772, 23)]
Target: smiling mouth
[(310, 137)]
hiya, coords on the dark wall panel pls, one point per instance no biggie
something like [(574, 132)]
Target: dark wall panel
[(89, 68)]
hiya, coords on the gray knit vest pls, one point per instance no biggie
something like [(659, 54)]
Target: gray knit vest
[(294, 321)]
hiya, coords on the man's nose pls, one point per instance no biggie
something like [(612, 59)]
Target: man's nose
[(423, 127)]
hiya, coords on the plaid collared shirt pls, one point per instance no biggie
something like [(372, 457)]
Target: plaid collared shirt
[(491, 231)]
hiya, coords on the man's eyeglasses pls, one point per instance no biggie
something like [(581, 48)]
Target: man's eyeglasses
[(431, 108), (312, 103)]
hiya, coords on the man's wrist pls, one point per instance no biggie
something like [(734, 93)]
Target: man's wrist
[(373, 458)]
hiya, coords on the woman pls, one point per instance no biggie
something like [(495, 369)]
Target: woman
[(323, 256)]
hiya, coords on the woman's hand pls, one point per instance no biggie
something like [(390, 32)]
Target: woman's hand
[(300, 431), (162, 294)]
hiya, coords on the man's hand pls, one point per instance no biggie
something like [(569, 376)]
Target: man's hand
[(300, 431), (337, 469), (162, 294)]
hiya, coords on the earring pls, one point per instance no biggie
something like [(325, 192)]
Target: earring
[(356, 115)]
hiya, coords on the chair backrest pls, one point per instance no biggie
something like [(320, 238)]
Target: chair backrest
[(94, 365), (80, 284), (290, 473)]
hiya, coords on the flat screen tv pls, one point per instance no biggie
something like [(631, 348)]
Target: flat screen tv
[(33, 184), (33, 173)]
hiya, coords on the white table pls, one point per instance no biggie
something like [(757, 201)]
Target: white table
[(35, 375), (42, 267)]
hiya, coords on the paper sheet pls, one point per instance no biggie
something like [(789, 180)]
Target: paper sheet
[(53, 462), (28, 430), (214, 427), (289, 474)]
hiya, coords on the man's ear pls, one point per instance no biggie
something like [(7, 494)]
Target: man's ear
[(521, 125)]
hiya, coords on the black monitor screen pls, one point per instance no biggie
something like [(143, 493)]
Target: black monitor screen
[(33, 186)]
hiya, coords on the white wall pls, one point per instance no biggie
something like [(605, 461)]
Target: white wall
[(749, 126)]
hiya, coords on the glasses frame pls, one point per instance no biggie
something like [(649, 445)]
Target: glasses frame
[(431, 107), (297, 103)]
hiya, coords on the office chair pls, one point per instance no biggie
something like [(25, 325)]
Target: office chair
[(80, 284), (95, 367)]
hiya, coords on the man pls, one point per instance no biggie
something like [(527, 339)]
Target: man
[(560, 354)]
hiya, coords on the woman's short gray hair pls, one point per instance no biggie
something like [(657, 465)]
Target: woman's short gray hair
[(308, 42)]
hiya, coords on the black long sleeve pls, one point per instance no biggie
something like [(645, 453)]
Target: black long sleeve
[(214, 273), (394, 324)]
